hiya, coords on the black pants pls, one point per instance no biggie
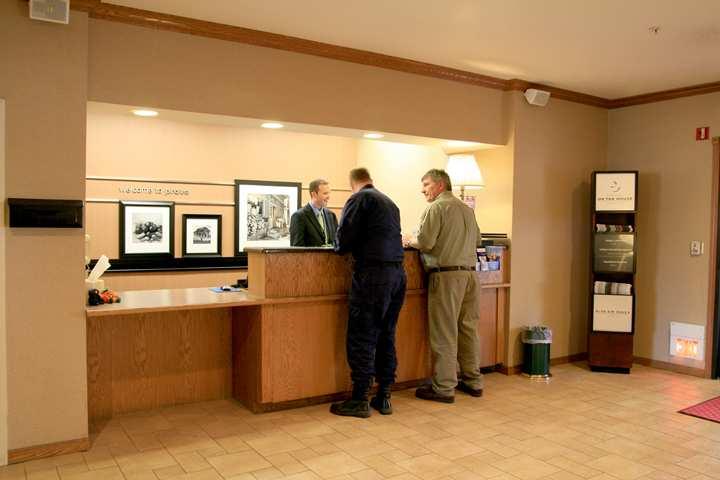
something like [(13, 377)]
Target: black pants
[(376, 297)]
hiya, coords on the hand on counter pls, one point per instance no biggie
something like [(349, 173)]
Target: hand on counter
[(408, 240)]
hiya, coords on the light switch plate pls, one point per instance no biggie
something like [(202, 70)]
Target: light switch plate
[(696, 248)]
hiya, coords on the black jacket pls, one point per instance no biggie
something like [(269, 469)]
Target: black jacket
[(305, 231), (370, 228)]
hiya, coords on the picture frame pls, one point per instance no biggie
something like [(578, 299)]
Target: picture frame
[(615, 191), (262, 213), (201, 235), (147, 229)]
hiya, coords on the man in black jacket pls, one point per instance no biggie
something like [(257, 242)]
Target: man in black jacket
[(370, 229), (314, 225)]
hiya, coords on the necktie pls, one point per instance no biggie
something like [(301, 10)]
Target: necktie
[(321, 221)]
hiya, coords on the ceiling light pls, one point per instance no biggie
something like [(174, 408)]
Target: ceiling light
[(141, 112), (373, 135), (272, 125)]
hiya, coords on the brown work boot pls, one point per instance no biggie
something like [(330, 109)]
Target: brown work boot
[(427, 392), (465, 388)]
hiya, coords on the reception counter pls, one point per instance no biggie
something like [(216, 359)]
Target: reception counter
[(278, 344)]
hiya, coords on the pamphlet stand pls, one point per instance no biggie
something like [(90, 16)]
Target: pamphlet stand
[(612, 281)]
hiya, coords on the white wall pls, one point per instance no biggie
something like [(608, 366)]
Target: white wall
[(3, 345)]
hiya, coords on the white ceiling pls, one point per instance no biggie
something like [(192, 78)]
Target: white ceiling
[(598, 47)]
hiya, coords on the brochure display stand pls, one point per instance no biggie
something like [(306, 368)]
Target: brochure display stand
[(612, 281)]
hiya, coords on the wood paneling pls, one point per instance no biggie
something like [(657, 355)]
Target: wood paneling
[(147, 361), (311, 273), (307, 354), (487, 327), (412, 345), (610, 350), (48, 450), (247, 359)]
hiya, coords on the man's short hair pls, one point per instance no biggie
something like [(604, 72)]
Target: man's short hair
[(360, 175), (439, 175), (316, 184)]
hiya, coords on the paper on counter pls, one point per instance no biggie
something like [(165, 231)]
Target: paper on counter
[(102, 264)]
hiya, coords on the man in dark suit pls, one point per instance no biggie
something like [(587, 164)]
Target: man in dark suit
[(314, 225), (370, 229)]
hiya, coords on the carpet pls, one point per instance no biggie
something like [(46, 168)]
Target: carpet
[(708, 410)]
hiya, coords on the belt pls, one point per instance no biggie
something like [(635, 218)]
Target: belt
[(453, 268)]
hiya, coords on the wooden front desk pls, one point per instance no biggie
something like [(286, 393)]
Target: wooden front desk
[(278, 345)]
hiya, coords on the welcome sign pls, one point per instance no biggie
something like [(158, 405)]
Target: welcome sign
[(615, 192)]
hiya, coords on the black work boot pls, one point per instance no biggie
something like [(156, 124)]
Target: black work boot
[(357, 406), (381, 400)]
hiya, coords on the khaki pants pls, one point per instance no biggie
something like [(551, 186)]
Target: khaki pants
[(454, 312)]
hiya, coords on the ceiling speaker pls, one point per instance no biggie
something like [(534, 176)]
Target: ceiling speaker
[(56, 11), (537, 97)]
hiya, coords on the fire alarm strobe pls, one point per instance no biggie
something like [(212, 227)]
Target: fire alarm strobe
[(56, 11)]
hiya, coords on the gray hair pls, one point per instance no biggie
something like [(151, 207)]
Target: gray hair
[(316, 184), (438, 175)]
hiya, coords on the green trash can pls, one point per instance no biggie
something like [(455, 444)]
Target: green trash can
[(536, 341)]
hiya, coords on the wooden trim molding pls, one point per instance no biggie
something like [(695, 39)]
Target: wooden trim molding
[(48, 450), (576, 357), (562, 94), (661, 96), (671, 367), (162, 21)]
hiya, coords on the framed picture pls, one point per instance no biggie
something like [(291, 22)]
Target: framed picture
[(146, 229), (615, 191), (201, 235), (262, 213)]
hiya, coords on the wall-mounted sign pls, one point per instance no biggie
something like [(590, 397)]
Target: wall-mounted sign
[(615, 191), (702, 133), (612, 313), (614, 252), (469, 201), (151, 190)]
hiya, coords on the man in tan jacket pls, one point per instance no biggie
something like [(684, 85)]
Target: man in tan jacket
[(447, 239)]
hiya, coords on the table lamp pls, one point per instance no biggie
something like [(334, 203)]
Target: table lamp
[(464, 172)]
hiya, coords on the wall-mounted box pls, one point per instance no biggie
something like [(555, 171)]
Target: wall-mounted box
[(45, 213)]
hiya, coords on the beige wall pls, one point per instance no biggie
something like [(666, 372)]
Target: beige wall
[(556, 148), (129, 146), (396, 169), (674, 193), (141, 66), (44, 83), (494, 203), (3, 305)]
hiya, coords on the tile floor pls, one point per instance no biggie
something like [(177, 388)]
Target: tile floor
[(581, 425)]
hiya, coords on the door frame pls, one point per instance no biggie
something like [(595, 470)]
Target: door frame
[(3, 303), (712, 330)]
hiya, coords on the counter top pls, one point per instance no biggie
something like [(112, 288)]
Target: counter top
[(139, 301)]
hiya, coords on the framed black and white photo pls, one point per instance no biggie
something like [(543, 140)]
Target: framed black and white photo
[(262, 213), (201, 235), (146, 229)]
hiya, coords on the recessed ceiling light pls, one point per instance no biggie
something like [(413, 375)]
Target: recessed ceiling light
[(373, 135), (272, 125), (141, 112)]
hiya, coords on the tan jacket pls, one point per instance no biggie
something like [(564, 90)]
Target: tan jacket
[(448, 234)]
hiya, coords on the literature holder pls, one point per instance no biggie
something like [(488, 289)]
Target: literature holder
[(612, 278)]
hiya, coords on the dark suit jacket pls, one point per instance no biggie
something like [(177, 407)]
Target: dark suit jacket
[(305, 231)]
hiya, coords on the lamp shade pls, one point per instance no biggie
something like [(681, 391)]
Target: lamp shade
[(464, 171)]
